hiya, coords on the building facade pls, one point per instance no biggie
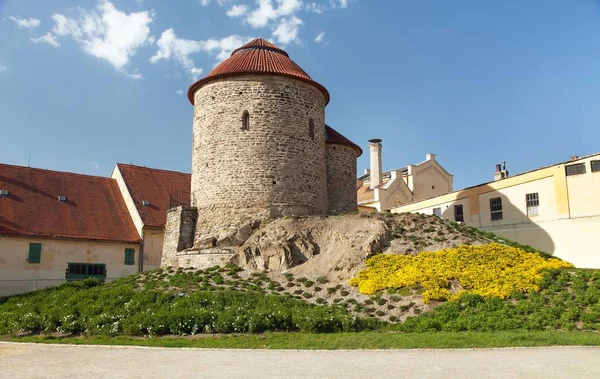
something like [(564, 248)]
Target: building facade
[(555, 209), (379, 191), (148, 194), (58, 226)]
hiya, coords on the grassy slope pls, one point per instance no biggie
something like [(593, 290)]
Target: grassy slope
[(568, 300)]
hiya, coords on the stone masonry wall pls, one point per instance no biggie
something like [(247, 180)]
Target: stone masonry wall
[(341, 178), (179, 233), (275, 165)]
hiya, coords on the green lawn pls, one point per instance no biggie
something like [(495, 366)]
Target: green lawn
[(366, 340)]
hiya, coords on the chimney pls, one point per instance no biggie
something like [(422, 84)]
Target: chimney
[(430, 157), (501, 172), (375, 170)]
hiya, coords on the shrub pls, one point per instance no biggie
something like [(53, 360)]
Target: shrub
[(121, 308), (322, 280), (492, 270)]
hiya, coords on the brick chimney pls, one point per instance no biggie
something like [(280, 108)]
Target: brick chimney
[(375, 170), (501, 172)]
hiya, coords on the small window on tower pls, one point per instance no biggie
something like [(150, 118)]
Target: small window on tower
[(246, 121), (311, 129)]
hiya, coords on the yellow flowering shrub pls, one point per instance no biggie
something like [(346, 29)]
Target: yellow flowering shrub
[(492, 270)]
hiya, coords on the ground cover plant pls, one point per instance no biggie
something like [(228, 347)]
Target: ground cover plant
[(492, 270), (567, 300), (138, 306)]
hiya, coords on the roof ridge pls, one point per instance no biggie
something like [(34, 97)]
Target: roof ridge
[(56, 171), (153, 169)]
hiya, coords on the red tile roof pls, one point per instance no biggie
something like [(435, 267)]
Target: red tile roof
[(334, 137), (257, 57), (94, 208), (155, 186)]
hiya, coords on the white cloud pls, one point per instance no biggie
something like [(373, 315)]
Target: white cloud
[(338, 3), (134, 75), (26, 22), (266, 12), (179, 92), (220, 2), (287, 30), (237, 10), (93, 165), (172, 47), (108, 33), (315, 8), (3, 68), (319, 37), (48, 38)]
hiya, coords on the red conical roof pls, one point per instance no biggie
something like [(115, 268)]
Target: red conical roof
[(257, 57)]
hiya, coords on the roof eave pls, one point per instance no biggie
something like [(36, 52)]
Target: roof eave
[(194, 87)]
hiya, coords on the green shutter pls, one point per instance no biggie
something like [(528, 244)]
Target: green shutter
[(129, 256), (35, 253)]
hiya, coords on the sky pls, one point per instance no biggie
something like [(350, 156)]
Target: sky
[(85, 84)]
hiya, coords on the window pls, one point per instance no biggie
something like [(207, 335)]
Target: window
[(129, 256), (311, 129), (458, 213), (533, 204), (595, 166), (496, 208), (80, 271), (575, 169), (437, 212), (35, 253), (246, 121)]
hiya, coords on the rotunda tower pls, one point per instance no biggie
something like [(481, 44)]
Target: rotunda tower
[(259, 135)]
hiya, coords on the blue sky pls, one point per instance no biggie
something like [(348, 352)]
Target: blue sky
[(86, 83)]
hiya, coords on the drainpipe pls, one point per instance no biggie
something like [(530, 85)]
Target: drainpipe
[(141, 257)]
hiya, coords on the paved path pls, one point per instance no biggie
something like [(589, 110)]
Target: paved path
[(68, 361)]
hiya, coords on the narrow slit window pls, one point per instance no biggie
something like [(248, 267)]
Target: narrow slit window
[(246, 121), (311, 129)]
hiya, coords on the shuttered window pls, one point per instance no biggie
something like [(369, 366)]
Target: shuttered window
[(129, 256), (35, 253)]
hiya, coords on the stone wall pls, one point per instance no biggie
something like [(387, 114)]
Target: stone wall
[(341, 178), (275, 166), (179, 233)]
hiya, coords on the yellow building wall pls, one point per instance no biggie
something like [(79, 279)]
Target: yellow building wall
[(153, 245), (17, 275), (569, 211), (429, 180), (584, 191), (514, 206)]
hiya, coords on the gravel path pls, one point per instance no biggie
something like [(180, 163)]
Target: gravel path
[(68, 361)]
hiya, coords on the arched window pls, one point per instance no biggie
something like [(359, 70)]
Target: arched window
[(311, 129), (246, 121)]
